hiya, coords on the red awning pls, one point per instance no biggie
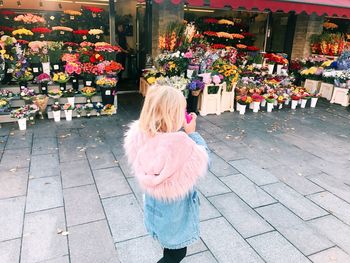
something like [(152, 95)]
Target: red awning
[(320, 7)]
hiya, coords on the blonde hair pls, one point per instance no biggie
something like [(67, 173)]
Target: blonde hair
[(163, 110)]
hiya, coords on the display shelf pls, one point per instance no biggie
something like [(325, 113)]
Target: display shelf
[(83, 114)]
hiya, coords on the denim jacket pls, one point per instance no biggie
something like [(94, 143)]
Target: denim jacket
[(175, 224)]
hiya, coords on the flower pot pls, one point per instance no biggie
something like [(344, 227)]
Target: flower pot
[(75, 84), (303, 103), (46, 67), (238, 106), (22, 124), (256, 106), (195, 93), (63, 86), (251, 106), (279, 69), (299, 101), (313, 102), (242, 109), (192, 103), (71, 100), (271, 68), (269, 107), (68, 114), (43, 88), (263, 103), (57, 115), (287, 102), (88, 83), (294, 104), (107, 95), (275, 103), (280, 106)]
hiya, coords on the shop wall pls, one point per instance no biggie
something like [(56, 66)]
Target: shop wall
[(305, 27)]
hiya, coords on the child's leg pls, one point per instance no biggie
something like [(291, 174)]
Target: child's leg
[(173, 255)]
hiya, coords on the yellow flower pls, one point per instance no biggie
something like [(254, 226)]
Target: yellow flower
[(55, 77), (151, 80), (22, 31), (327, 63), (62, 77), (225, 22)]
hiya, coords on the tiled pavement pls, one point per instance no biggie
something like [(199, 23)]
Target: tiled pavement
[(278, 190)]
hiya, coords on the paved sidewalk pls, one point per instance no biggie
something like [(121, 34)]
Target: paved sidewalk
[(278, 190)]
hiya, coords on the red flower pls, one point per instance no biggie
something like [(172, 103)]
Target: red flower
[(210, 33), (41, 30), (81, 32), (7, 13), (247, 34), (96, 58), (218, 46), (93, 9), (210, 21), (6, 28), (113, 67), (71, 44), (253, 48), (22, 42)]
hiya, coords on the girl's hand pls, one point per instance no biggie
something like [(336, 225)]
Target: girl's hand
[(191, 127)]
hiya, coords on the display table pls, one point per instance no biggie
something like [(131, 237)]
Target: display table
[(341, 96), (143, 88)]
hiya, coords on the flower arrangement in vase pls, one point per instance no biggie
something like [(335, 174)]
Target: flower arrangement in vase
[(109, 109), (68, 111), (88, 92), (70, 95), (43, 80), (61, 78), (27, 94), (196, 86)]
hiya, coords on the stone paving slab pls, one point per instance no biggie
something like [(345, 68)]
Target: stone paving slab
[(253, 195), (125, 217), (3, 140), (332, 255), (206, 209), (203, 257), (40, 239), (9, 251), (82, 205), (64, 259), (15, 158), (111, 182), (13, 182), (297, 231), (92, 242), (273, 247), (210, 185), (76, 173), (101, 158), (333, 205), (254, 172), (334, 230), (47, 145), (297, 203), (11, 219), (44, 165), (225, 243), (248, 223), (44, 193), (19, 140), (219, 167)]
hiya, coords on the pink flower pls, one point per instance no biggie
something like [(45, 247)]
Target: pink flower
[(216, 79), (188, 54)]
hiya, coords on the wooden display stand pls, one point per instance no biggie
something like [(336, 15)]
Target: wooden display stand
[(211, 103), (143, 88), (341, 96), (312, 86), (227, 99), (326, 90)]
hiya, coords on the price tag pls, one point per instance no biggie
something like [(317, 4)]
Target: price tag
[(7, 18), (74, 80), (22, 87), (62, 88), (93, 15), (42, 36), (43, 88), (9, 70), (108, 92), (35, 70), (71, 17), (2, 33), (20, 36), (62, 32), (84, 37), (88, 83), (98, 36), (56, 67), (52, 17)]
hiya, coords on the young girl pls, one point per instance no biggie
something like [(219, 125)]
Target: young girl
[(167, 163)]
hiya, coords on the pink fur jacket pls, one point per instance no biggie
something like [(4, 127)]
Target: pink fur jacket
[(166, 165)]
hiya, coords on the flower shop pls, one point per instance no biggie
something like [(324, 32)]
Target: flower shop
[(56, 64), (214, 62)]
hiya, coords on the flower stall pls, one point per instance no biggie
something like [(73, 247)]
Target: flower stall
[(41, 54)]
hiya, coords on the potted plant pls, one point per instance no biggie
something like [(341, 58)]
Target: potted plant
[(89, 72), (98, 107), (107, 86), (56, 110), (270, 100), (61, 78), (79, 109), (27, 95), (4, 105), (304, 98), (55, 94), (257, 98), (74, 70), (88, 92), (242, 102), (43, 80), (21, 114), (314, 99), (295, 100), (69, 94), (68, 111), (195, 87), (55, 52), (22, 74), (88, 109)]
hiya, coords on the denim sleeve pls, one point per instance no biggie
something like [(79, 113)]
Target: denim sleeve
[(198, 139)]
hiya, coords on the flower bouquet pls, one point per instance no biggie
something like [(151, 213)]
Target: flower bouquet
[(305, 96), (74, 70), (22, 74), (295, 97), (88, 109), (88, 92), (27, 94), (79, 109), (270, 99), (68, 111), (55, 94), (55, 54), (109, 109), (98, 107), (21, 114), (72, 15), (257, 99), (242, 102), (62, 33), (89, 73), (107, 86), (61, 78), (41, 33), (95, 35), (69, 94), (23, 34), (43, 80), (41, 101), (56, 111), (6, 94), (196, 86)]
